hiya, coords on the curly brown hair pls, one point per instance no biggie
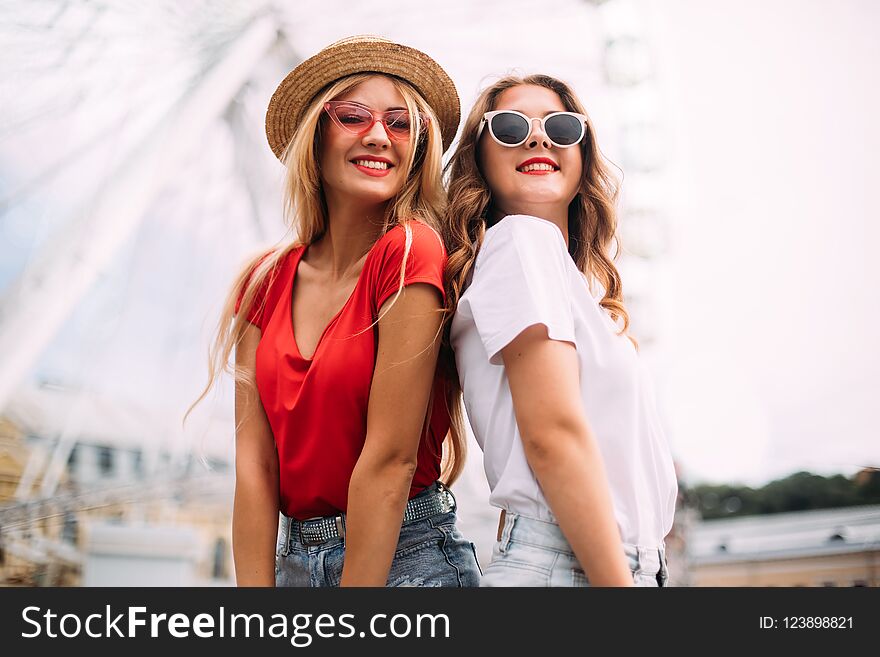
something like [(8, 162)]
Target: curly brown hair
[(592, 216)]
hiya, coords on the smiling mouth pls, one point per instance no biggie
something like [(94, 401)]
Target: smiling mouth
[(373, 164), (539, 167)]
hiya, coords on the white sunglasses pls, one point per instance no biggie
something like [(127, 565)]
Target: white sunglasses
[(511, 128)]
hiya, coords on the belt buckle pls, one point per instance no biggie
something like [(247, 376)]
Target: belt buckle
[(308, 541), (322, 530), (306, 535), (447, 500)]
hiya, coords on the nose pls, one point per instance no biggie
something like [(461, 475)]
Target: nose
[(537, 135), (376, 136)]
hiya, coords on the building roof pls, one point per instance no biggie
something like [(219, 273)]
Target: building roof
[(786, 535)]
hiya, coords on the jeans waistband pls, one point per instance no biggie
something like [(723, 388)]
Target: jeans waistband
[(435, 499), (540, 533)]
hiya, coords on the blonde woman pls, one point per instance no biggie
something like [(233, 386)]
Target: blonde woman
[(553, 386), (341, 410)]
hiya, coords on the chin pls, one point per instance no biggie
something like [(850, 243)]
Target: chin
[(538, 194), (374, 196)]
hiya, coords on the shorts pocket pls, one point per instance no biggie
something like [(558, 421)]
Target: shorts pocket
[(413, 547), (579, 578), (425, 564), (513, 573), (474, 550)]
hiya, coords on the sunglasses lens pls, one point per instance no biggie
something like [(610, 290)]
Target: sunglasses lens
[(352, 118), (564, 129), (510, 128), (398, 122)]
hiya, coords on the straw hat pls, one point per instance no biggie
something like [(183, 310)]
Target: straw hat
[(360, 54)]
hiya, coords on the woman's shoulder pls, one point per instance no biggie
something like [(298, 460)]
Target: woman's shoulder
[(270, 279), (281, 259), (424, 241), (406, 254), (524, 233)]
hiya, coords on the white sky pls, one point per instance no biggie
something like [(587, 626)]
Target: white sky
[(772, 109), (768, 358)]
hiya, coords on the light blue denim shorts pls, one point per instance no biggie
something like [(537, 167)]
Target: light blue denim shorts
[(536, 553), (430, 552)]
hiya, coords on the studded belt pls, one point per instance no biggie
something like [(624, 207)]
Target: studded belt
[(432, 501)]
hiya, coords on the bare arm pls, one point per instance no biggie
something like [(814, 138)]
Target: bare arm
[(405, 364), (256, 505), (562, 451)]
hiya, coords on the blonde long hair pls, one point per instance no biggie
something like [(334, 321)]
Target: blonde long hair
[(305, 212), (592, 218)]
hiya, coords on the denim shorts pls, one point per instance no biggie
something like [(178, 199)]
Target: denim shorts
[(536, 553), (430, 552)]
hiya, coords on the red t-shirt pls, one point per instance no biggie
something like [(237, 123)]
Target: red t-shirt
[(318, 408)]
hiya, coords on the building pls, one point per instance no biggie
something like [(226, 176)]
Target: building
[(829, 547), (90, 489)]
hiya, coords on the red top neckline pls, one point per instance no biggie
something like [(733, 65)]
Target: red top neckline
[(296, 257)]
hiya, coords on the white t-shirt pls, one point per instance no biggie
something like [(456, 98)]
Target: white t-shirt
[(524, 276)]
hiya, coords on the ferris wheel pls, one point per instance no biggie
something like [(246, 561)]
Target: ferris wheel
[(134, 176)]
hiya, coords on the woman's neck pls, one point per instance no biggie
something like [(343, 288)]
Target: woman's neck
[(351, 231)]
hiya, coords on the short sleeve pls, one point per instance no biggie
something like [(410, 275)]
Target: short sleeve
[(520, 279), (425, 261), (256, 312)]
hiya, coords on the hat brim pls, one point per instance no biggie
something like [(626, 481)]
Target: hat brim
[(304, 82)]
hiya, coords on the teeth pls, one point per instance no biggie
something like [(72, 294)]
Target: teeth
[(537, 167), (372, 164)]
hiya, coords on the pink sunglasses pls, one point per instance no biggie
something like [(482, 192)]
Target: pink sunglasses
[(359, 119)]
